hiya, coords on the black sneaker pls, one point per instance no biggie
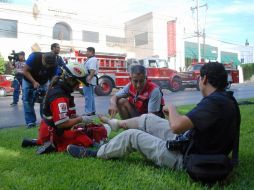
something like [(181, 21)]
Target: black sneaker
[(80, 151), (31, 125), (13, 104), (29, 142), (47, 147)]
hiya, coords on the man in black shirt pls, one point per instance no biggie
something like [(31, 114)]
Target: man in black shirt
[(38, 70), (211, 121)]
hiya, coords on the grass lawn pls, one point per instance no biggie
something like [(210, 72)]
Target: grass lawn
[(23, 169)]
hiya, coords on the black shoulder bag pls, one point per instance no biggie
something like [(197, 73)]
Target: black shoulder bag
[(214, 167)]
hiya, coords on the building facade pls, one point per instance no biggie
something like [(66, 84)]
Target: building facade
[(34, 28)]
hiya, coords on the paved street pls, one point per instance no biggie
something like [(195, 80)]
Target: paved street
[(13, 116)]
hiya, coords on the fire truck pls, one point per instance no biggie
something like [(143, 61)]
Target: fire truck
[(114, 71), (190, 78)]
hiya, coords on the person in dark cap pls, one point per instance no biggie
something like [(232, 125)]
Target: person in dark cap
[(18, 73), (38, 70)]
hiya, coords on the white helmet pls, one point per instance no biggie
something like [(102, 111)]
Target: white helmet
[(75, 70)]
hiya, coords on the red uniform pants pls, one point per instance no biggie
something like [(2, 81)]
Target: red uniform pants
[(61, 142)]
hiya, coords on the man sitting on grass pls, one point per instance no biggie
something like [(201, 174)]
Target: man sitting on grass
[(138, 97), (211, 121)]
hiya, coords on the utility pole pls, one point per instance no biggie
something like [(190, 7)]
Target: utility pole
[(198, 32), (204, 44), (199, 53)]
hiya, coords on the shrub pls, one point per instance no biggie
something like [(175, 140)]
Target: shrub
[(248, 71)]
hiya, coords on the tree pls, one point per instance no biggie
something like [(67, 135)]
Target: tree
[(2, 65)]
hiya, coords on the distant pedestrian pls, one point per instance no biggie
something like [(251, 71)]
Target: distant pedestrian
[(91, 69), (17, 83), (55, 48)]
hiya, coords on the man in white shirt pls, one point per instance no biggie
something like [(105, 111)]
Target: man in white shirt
[(91, 69)]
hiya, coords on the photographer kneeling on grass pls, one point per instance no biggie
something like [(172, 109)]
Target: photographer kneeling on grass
[(60, 125), (212, 125)]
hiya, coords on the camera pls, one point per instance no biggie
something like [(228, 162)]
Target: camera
[(38, 95), (14, 57), (180, 143)]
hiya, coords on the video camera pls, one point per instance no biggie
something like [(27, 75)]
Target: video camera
[(14, 57), (38, 95), (180, 143)]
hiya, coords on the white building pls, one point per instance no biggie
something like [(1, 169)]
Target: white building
[(174, 39), (246, 53), (24, 27), (152, 34)]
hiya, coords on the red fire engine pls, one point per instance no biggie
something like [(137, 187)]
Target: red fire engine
[(190, 78), (113, 72)]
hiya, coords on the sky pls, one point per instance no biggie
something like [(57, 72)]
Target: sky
[(226, 20)]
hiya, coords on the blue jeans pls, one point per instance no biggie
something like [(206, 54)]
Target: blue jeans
[(89, 99), (28, 102), (16, 85)]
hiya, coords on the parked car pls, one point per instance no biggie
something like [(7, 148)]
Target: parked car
[(6, 85), (190, 77)]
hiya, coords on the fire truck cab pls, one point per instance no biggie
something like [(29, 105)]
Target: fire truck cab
[(158, 71), (114, 71)]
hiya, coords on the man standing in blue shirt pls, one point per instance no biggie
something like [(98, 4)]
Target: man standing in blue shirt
[(91, 69), (38, 70)]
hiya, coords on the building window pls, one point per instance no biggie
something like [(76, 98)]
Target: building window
[(141, 39), (8, 28), (90, 36), (115, 39), (62, 31)]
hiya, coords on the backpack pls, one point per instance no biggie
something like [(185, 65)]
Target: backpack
[(211, 168), (96, 132)]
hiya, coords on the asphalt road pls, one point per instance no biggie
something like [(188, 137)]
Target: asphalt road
[(14, 116)]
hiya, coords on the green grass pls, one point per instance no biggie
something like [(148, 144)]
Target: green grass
[(23, 169)]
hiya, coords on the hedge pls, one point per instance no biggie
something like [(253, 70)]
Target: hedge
[(248, 71)]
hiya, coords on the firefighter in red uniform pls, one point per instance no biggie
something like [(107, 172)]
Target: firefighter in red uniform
[(138, 97), (56, 130)]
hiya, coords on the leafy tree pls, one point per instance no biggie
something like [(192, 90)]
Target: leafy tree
[(2, 65)]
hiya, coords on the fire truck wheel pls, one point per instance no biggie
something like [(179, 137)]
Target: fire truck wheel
[(104, 88), (176, 84)]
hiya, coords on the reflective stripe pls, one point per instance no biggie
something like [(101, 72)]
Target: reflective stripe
[(125, 77), (62, 121), (72, 108)]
